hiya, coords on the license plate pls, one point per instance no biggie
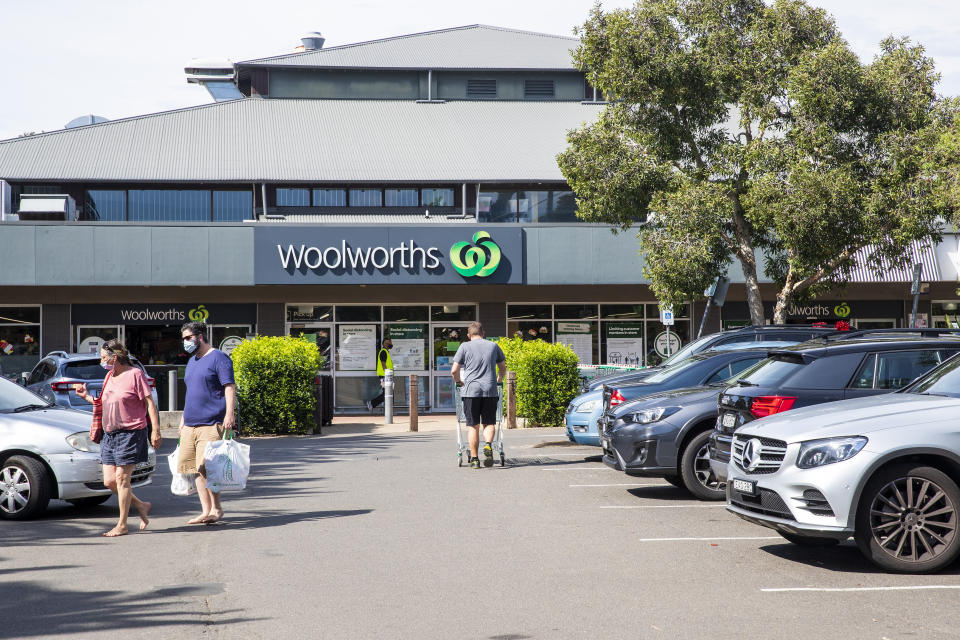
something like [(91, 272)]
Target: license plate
[(728, 420), (745, 486)]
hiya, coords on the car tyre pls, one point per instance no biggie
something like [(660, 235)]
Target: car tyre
[(88, 503), (695, 470), (907, 519), (808, 541), (25, 488), (676, 481)]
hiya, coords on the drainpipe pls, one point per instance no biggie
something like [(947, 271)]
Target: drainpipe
[(464, 199), (429, 84), (263, 194), (476, 212)]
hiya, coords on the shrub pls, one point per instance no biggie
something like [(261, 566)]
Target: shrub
[(275, 384), (547, 379)]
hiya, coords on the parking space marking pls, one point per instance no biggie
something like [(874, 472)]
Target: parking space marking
[(854, 589), (623, 484), (664, 506), (578, 469), (709, 539)]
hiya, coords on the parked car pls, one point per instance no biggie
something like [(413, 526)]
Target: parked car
[(57, 375), (883, 469), (46, 452), (818, 372), (665, 435)]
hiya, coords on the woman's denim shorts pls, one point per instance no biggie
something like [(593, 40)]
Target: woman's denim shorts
[(120, 448)]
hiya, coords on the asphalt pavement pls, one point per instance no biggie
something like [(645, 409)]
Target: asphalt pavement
[(372, 532)]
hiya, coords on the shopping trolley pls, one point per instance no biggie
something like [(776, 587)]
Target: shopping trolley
[(463, 447)]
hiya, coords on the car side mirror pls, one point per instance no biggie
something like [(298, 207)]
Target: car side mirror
[(22, 378)]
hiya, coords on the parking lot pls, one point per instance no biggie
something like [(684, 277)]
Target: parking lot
[(383, 536)]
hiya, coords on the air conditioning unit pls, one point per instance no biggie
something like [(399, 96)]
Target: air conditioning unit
[(47, 206)]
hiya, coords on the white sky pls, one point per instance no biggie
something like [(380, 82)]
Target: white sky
[(116, 58)]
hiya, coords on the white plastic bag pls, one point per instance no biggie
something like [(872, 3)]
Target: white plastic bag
[(181, 484), (228, 464)]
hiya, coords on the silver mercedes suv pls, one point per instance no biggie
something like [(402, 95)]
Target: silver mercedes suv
[(883, 469)]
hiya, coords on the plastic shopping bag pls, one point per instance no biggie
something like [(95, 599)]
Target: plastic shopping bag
[(181, 484), (228, 464)]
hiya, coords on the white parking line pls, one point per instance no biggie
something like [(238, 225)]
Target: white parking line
[(577, 469), (622, 484), (851, 589), (664, 506), (548, 454), (709, 539)]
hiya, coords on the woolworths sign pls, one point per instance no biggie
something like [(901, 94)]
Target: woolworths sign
[(459, 253)]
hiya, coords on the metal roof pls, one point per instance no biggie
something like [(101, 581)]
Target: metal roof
[(475, 46), (919, 253), (261, 140)]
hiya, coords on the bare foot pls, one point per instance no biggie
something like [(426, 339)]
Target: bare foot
[(200, 519), (215, 515), (116, 531), (144, 520)]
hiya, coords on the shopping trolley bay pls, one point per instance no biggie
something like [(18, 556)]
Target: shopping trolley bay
[(365, 534)]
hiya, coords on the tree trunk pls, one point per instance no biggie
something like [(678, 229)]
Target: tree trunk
[(783, 303), (748, 259), (754, 300)]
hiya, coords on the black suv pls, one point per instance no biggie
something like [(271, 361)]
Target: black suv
[(739, 338), (837, 367)]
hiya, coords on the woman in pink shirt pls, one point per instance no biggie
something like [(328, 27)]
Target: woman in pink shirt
[(125, 401)]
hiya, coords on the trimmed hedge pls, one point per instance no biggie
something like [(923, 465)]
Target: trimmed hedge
[(547, 379), (275, 384)]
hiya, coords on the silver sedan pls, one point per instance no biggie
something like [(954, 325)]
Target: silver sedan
[(46, 453)]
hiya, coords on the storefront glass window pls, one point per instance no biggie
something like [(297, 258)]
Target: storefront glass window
[(539, 330), (575, 311), (366, 198), (530, 311), (232, 206), (401, 197), (497, 206), (410, 349), (347, 313), (437, 197), (187, 205), (226, 337), (632, 311), (309, 313), (90, 339), (293, 197), (453, 313), (19, 340), (105, 205), (329, 198), (581, 336), (405, 313), (622, 343)]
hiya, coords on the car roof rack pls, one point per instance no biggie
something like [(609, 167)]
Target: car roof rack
[(62, 354), (924, 332)]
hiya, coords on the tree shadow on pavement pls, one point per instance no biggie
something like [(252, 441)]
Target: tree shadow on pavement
[(38, 609)]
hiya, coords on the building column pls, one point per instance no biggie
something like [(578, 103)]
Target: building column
[(54, 328), (493, 317), (270, 319)]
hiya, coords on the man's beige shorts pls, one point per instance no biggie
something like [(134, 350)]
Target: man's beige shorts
[(193, 442)]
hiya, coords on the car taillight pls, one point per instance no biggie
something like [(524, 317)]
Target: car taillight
[(63, 387), (616, 398), (768, 405)]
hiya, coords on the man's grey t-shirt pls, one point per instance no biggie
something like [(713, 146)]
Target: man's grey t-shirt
[(478, 368)]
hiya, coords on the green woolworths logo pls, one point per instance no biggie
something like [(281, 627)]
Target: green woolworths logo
[(200, 314), (481, 260), (842, 310)]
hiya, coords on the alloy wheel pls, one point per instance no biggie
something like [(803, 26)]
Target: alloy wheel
[(14, 490), (912, 519), (704, 473)]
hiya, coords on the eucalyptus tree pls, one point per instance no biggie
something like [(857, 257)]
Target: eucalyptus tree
[(747, 132)]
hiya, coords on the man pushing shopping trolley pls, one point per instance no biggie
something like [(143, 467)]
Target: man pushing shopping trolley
[(478, 368)]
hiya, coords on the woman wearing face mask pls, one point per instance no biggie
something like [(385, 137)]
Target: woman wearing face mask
[(124, 402)]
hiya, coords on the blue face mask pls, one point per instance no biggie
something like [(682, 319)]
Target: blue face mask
[(189, 346), (108, 367)]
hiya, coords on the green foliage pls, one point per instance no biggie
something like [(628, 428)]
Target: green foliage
[(547, 378), (740, 125), (275, 384)]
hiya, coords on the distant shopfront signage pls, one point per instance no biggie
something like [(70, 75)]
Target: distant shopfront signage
[(160, 313), (823, 310), (458, 254)]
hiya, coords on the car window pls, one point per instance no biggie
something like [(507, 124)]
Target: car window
[(672, 370), (740, 339), (44, 369), (896, 369), (833, 371), (13, 396), (941, 381), (795, 336), (722, 374), (84, 370), (689, 350), (773, 370), (864, 377), (740, 366)]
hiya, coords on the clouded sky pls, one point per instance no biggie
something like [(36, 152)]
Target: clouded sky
[(118, 58)]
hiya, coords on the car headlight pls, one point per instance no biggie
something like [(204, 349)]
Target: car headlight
[(817, 453), (588, 406), (81, 441), (652, 415)]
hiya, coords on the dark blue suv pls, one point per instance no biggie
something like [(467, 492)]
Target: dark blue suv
[(56, 376)]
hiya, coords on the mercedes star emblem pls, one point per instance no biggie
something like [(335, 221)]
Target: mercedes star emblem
[(751, 454)]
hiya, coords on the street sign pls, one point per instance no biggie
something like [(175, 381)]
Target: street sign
[(666, 316), (666, 344), (917, 272)]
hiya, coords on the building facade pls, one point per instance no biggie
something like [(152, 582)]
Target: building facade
[(401, 187)]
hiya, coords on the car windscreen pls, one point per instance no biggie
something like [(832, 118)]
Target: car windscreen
[(942, 381), (668, 372), (688, 350), (84, 370), (772, 371), (13, 396)]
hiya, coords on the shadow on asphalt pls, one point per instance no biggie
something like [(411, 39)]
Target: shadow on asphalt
[(38, 609), (244, 521), (662, 492), (539, 461), (842, 558)]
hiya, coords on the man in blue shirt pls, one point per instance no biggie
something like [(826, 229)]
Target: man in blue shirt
[(208, 412)]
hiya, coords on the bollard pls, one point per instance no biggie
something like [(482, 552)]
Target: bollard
[(511, 399), (172, 390), (388, 396), (414, 401)]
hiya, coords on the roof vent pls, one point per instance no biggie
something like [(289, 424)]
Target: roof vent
[(538, 89), (312, 41), (486, 88), (85, 120)]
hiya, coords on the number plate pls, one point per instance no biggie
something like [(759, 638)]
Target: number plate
[(745, 486), (729, 419)]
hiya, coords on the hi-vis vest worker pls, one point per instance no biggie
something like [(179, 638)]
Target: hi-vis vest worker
[(384, 361)]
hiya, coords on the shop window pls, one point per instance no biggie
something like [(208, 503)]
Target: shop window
[(453, 313), (540, 330), (575, 311), (105, 205), (410, 351), (497, 206), (622, 343), (402, 313), (187, 205), (287, 197), (232, 206), (530, 311), (19, 340), (437, 197), (358, 314), (622, 311), (580, 336), (366, 198), (309, 313), (329, 198), (401, 197)]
